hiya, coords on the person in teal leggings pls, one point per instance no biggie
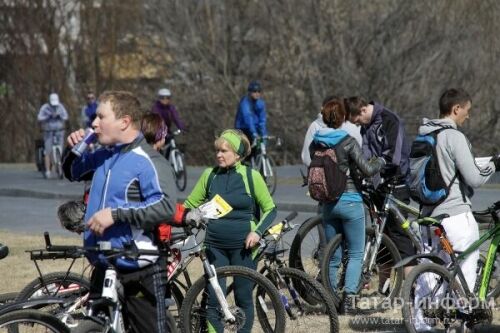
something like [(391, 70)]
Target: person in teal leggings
[(230, 239)]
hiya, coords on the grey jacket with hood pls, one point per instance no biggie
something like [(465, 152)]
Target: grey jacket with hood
[(455, 155)]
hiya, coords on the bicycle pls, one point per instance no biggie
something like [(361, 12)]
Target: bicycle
[(438, 294), (176, 158), (14, 318), (264, 163), (55, 156), (196, 305), (105, 313), (304, 299)]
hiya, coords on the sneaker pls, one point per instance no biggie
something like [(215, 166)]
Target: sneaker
[(47, 174)]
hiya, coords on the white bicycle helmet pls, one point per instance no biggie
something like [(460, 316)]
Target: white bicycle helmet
[(54, 99), (164, 92)]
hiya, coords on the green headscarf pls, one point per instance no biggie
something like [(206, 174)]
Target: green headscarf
[(234, 139)]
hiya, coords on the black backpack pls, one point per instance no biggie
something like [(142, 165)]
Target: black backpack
[(325, 179), (256, 208), (427, 186)]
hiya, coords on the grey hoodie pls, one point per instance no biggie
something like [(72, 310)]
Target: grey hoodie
[(455, 154)]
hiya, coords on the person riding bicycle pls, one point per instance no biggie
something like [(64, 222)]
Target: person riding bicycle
[(346, 215), (132, 192), (230, 239), (52, 117), (164, 107), (458, 168), (89, 110), (251, 115)]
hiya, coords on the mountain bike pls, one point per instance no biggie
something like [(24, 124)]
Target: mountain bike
[(264, 163), (437, 294), (176, 158), (304, 299), (19, 318), (380, 278), (105, 313), (196, 305)]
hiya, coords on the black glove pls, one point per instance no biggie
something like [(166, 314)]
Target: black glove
[(496, 161), (194, 218)]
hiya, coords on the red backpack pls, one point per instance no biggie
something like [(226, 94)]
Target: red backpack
[(325, 179)]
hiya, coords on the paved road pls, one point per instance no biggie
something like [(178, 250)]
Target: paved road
[(28, 203)]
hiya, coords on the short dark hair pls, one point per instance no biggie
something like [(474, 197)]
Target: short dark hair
[(333, 112), (354, 104), (123, 103), (450, 98)]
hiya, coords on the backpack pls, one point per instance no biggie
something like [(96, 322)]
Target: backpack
[(256, 208), (427, 186), (325, 179)]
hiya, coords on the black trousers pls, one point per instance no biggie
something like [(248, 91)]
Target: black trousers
[(143, 296)]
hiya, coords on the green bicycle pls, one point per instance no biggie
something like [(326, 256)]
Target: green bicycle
[(437, 295)]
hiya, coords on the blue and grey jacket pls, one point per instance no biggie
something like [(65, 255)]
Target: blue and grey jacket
[(135, 181), (385, 137), (251, 116)]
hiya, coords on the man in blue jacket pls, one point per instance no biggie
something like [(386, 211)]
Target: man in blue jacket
[(251, 114), (132, 191)]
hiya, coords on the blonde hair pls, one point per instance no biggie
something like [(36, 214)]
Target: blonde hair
[(242, 138)]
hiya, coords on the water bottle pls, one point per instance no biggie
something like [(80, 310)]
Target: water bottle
[(81, 146), (109, 285)]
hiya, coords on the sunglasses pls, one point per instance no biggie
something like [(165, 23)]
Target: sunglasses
[(256, 91), (164, 97)]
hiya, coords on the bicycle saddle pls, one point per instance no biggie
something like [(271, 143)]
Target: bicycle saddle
[(4, 251), (441, 217)]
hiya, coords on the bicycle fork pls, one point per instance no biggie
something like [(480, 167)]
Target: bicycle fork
[(212, 279)]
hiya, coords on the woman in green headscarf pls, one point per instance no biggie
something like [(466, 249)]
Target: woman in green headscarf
[(230, 239)]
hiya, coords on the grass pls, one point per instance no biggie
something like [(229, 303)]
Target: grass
[(18, 270)]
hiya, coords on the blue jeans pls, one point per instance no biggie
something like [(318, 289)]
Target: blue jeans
[(347, 218)]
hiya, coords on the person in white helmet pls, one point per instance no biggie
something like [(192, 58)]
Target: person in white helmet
[(164, 107), (52, 117)]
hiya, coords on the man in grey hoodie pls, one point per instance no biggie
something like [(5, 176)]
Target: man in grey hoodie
[(454, 154)]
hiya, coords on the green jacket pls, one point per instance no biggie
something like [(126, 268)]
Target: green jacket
[(232, 185)]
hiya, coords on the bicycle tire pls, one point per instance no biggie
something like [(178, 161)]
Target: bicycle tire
[(321, 311), (311, 234), (58, 163), (390, 257), (408, 292), (32, 321), (180, 174), (36, 287), (8, 298), (271, 179), (192, 313)]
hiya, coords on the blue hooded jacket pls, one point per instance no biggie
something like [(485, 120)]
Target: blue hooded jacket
[(251, 116)]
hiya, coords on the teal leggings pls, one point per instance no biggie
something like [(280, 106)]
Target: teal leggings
[(243, 287)]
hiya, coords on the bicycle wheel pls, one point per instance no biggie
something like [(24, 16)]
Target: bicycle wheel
[(268, 172), (58, 163), (430, 300), (31, 321), (55, 284), (368, 290), (307, 303), (179, 170), (8, 298), (307, 246), (91, 326), (196, 308)]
